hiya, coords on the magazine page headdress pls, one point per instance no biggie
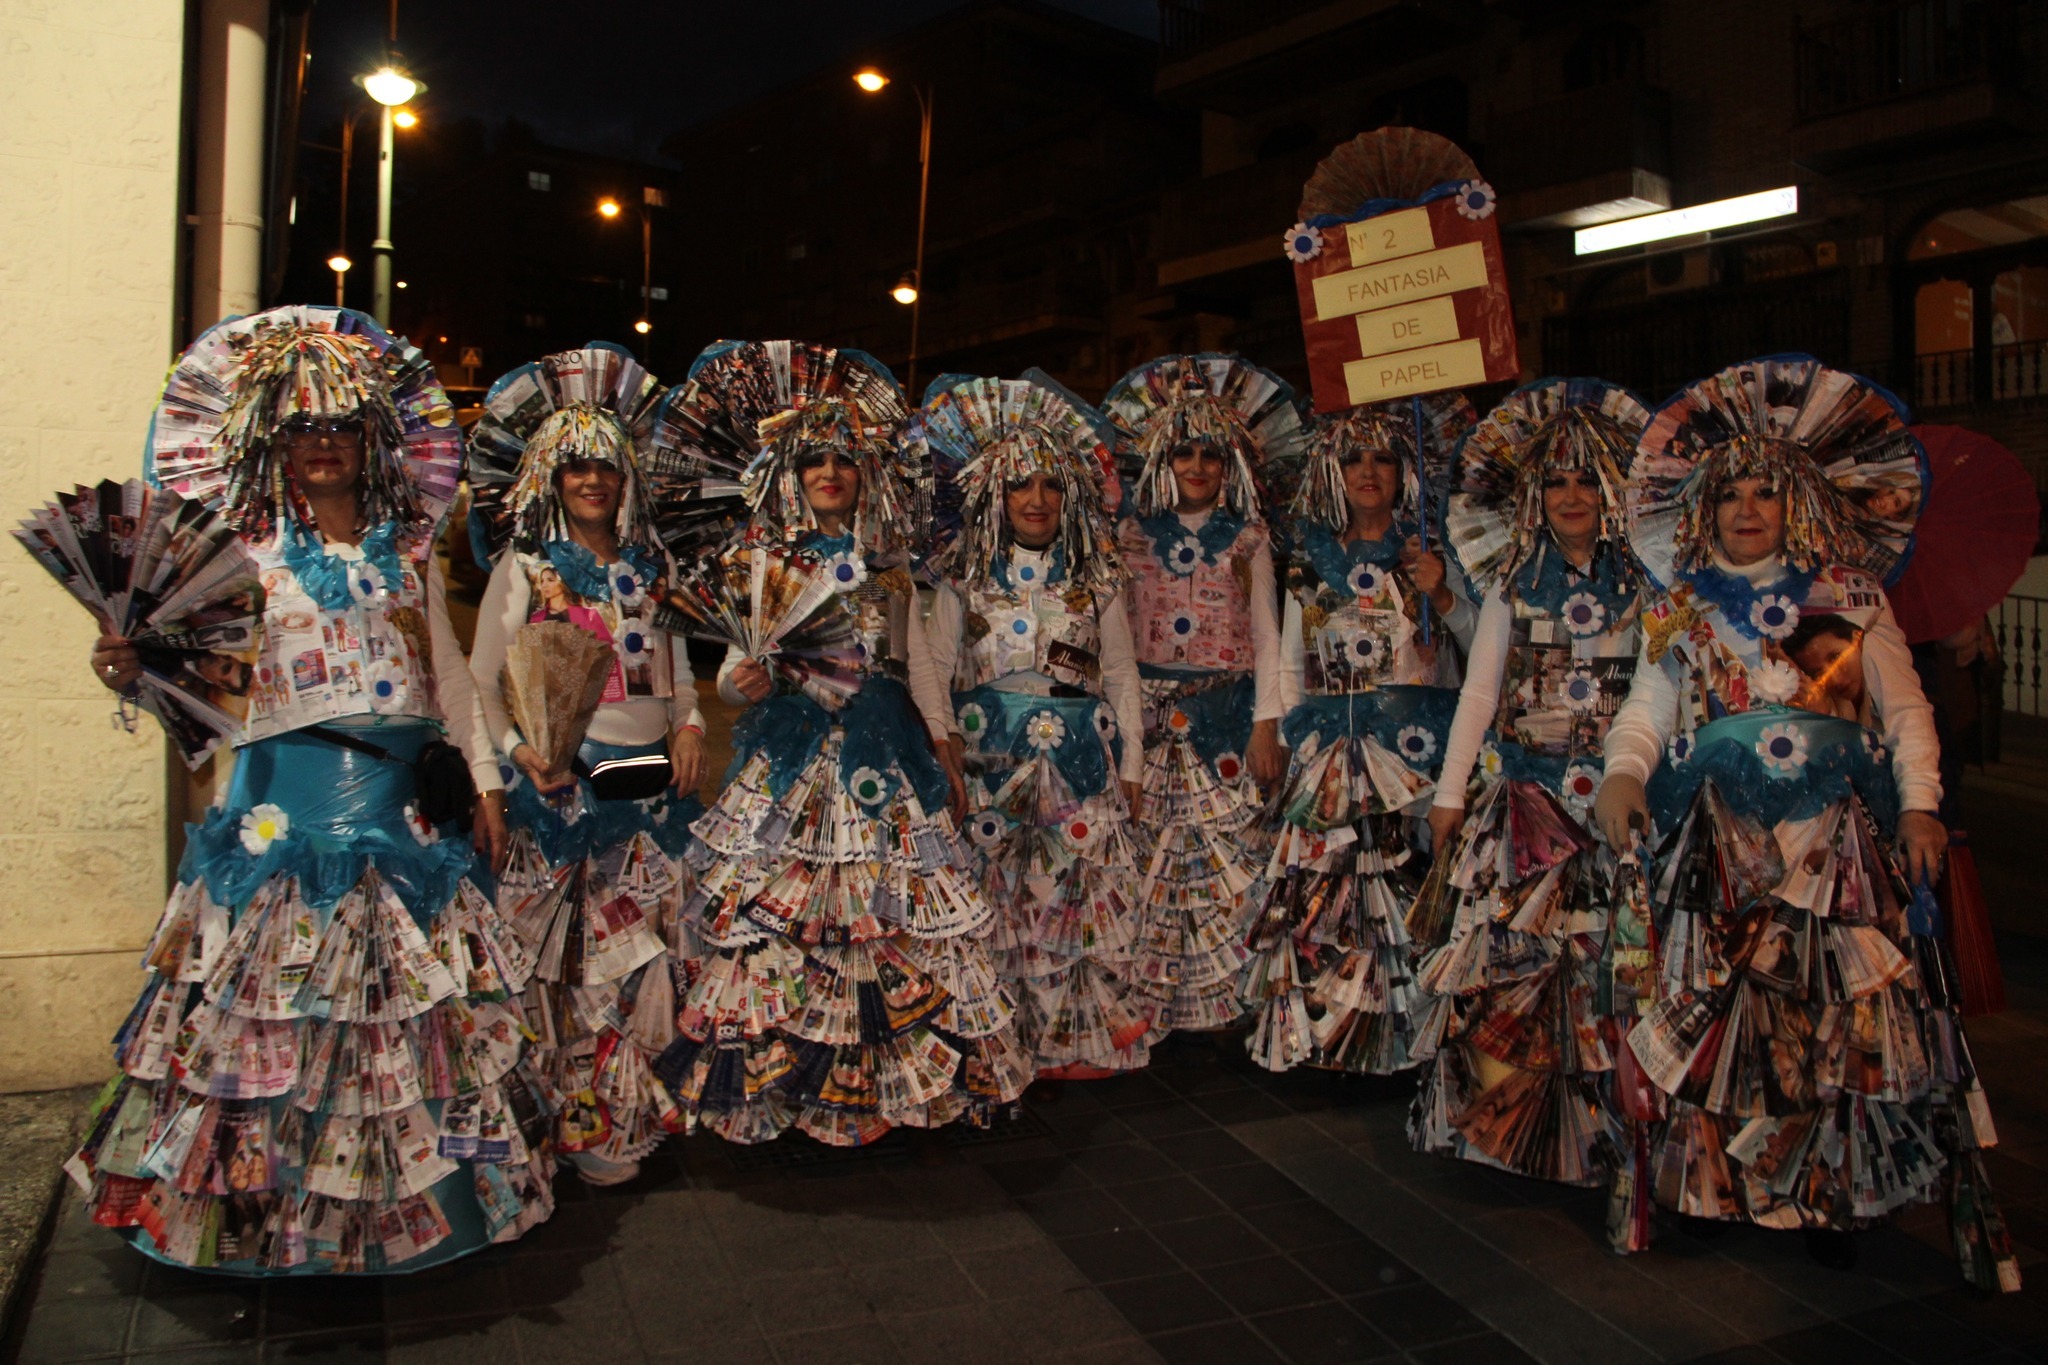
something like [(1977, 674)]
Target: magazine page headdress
[(1850, 472), (751, 412), (214, 434), (984, 437), (1245, 413), (1495, 522), (596, 403), (1314, 484)]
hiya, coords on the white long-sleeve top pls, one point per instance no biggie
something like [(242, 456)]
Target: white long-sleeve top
[(1486, 659), (1117, 659), (1461, 620), (507, 605), (1649, 717), (926, 692)]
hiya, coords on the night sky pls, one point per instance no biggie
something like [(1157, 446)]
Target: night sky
[(616, 78)]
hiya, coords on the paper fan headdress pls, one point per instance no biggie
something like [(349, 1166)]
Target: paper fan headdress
[(1315, 487), (1243, 412), (592, 404), (986, 436), (1496, 522), (214, 436), (1850, 473), (754, 410)]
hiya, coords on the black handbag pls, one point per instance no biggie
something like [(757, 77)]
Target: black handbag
[(641, 778), (442, 790)]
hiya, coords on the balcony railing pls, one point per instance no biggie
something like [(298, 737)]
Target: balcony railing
[(1949, 378), (1911, 47), (2017, 622)]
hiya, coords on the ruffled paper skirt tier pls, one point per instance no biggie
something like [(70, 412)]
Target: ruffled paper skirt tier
[(325, 1071)]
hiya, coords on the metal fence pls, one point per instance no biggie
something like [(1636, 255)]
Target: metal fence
[(1948, 378), (2017, 621)]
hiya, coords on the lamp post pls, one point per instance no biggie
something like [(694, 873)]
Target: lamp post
[(910, 289), (403, 118), (390, 85), (609, 208)]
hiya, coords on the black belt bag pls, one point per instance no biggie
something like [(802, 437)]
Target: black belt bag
[(640, 778), (441, 785)]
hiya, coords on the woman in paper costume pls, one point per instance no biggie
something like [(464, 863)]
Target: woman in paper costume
[(325, 1072), (592, 885), (1030, 627), (1369, 701), (846, 987), (1514, 928), (1206, 625), (1805, 1039)]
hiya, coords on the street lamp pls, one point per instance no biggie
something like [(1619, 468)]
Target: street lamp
[(390, 85), (404, 118), (339, 264), (348, 156), (609, 208), (909, 290)]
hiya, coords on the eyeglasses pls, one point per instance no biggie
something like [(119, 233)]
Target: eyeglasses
[(311, 428)]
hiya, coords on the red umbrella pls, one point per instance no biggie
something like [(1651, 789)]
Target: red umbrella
[(1973, 538)]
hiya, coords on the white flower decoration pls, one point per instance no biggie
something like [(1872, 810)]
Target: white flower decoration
[(1019, 627), (387, 686), (628, 589), (1475, 200), (636, 639), (867, 786), (1581, 689), (1229, 767), (365, 581), (1775, 681), (423, 831), (1583, 615), (1415, 744), (987, 829), (1302, 243), (1774, 617), (1782, 748), (1365, 581), (1105, 723), (1045, 731), (973, 724), (846, 571), (1366, 651), (263, 826), (1680, 747), (1581, 785), (1081, 832), (1027, 572), (1181, 624), (1490, 761), (1184, 557)]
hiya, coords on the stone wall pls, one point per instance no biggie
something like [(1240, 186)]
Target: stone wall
[(89, 116)]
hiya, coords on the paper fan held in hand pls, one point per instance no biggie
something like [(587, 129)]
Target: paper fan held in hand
[(237, 385), (593, 403), (1243, 411), (747, 416), (780, 607), (555, 672)]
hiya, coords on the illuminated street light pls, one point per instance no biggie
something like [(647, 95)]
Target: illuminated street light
[(339, 263), (391, 85), (1658, 227), (401, 284), (906, 291), (608, 207), (643, 327), (405, 118)]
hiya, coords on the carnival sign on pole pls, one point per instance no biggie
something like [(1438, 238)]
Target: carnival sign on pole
[(1404, 298)]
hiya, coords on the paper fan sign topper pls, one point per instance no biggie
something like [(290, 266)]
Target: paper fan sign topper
[(1398, 269)]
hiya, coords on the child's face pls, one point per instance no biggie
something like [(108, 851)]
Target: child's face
[(1836, 664)]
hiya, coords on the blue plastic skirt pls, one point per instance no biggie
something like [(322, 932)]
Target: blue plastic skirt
[(327, 979), (1777, 764)]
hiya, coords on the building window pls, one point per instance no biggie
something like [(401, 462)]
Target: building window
[(539, 180), (1977, 281)]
